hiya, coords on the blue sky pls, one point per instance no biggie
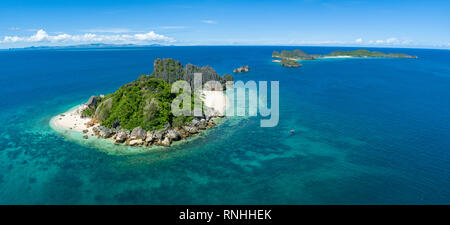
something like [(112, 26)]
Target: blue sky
[(309, 22)]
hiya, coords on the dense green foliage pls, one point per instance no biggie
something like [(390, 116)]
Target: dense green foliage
[(139, 103), (181, 120), (88, 112), (289, 62), (297, 54)]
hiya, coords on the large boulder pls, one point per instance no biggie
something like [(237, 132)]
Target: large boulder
[(183, 133), (166, 142), (171, 70), (137, 133), (103, 132), (121, 136), (202, 124), (149, 137), (92, 102), (137, 142), (242, 69), (173, 135), (210, 124), (158, 135), (190, 129), (194, 122), (168, 69), (103, 110)]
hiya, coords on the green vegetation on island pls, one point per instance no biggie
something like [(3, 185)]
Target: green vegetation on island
[(299, 54), (144, 105), (294, 54), (290, 63), (288, 58), (367, 53)]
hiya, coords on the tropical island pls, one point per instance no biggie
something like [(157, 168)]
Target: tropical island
[(139, 113), (290, 63), (287, 58)]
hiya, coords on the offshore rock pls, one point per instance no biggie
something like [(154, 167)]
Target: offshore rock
[(242, 69)]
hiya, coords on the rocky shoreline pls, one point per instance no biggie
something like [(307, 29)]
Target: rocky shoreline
[(163, 137)]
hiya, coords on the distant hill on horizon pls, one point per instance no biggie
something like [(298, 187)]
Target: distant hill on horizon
[(94, 45)]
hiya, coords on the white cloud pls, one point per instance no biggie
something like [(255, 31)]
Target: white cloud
[(209, 21), (390, 41), (359, 40), (14, 28), (42, 36)]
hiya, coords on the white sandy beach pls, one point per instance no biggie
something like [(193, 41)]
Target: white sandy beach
[(336, 57), (71, 120)]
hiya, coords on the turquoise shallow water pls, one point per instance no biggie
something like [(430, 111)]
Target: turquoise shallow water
[(368, 131)]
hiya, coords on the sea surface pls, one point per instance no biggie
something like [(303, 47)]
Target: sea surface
[(367, 131)]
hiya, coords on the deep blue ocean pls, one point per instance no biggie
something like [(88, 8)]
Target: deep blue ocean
[(367, 131)]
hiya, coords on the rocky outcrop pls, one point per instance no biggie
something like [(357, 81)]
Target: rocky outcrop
[(171, 70), (103, 110), (163, 137), (173, 135), (137, 142), (242, 69), (138, 134), (103, 132), (191, 129), (121, 136), (92, 102), (202, 124), (149, 137), (165, 142)]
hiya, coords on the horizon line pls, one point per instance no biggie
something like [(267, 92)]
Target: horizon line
[(130, 45)]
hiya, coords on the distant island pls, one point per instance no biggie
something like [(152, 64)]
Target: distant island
[(139, 113), (288, 58), (288, 62)]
